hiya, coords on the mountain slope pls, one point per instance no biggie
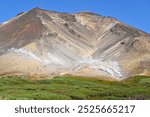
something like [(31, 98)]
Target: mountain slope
[(41, 42)]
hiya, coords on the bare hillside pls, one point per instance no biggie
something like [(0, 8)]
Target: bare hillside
[(41, 42)]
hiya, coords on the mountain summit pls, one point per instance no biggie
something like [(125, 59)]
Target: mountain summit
[(41, 42)]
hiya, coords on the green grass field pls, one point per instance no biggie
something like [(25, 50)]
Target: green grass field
[(73, 88)]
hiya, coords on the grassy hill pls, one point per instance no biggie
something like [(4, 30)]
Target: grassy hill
[(73, 88)]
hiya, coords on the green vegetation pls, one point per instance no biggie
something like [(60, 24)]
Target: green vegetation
[(69, 87)]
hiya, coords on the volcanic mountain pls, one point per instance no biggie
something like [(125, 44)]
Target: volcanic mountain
[(41, 42)]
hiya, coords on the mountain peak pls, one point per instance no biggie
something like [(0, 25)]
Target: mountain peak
[(87, 44), (36, 9), (87, 13)]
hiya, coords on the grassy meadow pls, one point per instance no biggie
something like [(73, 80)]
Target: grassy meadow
[(73, 88)]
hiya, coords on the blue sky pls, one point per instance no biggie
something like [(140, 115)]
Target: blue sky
[(132, 12)]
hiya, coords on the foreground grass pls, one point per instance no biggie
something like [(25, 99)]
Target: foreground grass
[(69, 87)]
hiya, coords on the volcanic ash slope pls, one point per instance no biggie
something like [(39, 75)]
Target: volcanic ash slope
[(41, 42)]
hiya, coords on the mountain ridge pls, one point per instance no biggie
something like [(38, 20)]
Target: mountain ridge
[(42, 42)]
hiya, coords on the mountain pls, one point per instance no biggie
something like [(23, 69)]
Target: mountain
[(41, 42)]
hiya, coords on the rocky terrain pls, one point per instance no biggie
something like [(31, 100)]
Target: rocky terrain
[(41, 42)]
